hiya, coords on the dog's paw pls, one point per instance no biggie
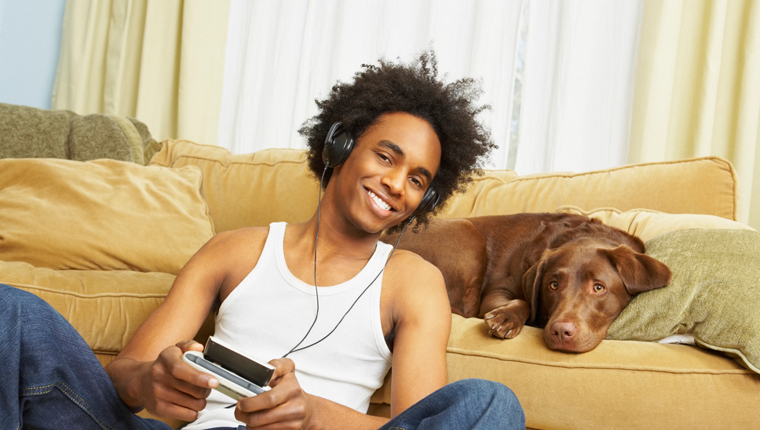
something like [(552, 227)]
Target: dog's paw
[(503, 323)]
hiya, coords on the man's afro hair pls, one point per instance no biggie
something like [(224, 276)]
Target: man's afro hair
[(413, 88)]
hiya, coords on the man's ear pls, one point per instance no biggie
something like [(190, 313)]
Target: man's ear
[(531, 285), (638, 271)]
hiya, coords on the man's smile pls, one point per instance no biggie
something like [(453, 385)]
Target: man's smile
[(380, 202)]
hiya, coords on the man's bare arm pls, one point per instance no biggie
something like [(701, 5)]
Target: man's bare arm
[(149, 371), (422, 319)]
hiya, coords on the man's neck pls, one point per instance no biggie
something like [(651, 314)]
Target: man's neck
[(338, 237), (341, 253)]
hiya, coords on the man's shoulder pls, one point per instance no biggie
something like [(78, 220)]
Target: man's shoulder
[(241, 242), (404, 259), (234, 253), (407, 268), (242, 236)]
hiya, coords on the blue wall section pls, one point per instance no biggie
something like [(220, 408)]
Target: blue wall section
[(30, 40)]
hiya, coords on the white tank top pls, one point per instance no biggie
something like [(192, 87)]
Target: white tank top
[(271, 310)]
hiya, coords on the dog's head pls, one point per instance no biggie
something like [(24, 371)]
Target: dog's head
[(578, 289)]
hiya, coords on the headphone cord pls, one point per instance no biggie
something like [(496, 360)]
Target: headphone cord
[(296, 349), (316, 289), (316, 239)]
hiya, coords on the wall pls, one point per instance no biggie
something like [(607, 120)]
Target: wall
[(30, 38)]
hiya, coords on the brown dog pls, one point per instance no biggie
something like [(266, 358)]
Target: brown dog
[(568, 273)]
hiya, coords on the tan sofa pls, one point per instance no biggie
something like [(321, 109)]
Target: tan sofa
[(102, 241)]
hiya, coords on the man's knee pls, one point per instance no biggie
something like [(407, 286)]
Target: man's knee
[(12, 293), (493, 397), (503, 395), (486, 388), (17, 303), (10, 296)]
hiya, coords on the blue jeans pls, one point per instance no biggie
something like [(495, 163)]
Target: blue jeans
[(52, 380), (466, 404)]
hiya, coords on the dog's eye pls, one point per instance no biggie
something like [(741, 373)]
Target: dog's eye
[(598, 288), (554, 285)]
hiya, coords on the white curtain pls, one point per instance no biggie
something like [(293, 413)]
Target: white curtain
[(282, 55), (573, 61), (577, 85)]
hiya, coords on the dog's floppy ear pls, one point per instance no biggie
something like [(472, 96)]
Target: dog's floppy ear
[(531, 285), (639, 272)]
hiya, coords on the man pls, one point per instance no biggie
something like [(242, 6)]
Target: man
[(412, 134)]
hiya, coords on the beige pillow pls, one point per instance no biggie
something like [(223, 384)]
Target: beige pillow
[(100, 215), (247, 190), (646, 224)]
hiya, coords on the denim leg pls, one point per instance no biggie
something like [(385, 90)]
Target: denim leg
[(461, 405), (51, 379)]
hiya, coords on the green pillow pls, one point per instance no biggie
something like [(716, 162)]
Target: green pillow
[(714, 295)]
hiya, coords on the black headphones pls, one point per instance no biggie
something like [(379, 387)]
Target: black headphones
[(338, 146)]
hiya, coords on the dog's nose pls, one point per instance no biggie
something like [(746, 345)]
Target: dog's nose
[(563, 331)]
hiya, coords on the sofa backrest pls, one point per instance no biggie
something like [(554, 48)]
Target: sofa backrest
[(276, 185), (705, 185), (248, 189)]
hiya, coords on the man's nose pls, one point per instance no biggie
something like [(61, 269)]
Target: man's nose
[(394, 179)]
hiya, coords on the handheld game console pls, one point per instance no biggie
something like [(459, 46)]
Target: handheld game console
[(239, 376)]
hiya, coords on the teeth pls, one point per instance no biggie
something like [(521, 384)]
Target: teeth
[(379, 201)]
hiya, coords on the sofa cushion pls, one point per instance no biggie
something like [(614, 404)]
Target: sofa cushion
[(100, 215), (248, 189), (105, 307), (713, 295), (704, 185), (619, 384), (647, 224)]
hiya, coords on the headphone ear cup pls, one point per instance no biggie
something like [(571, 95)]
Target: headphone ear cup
[(429, 202), (338, 145)]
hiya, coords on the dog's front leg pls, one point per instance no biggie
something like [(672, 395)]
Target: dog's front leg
[(504, 316)]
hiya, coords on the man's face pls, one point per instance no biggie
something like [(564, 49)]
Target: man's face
[(384, 179)]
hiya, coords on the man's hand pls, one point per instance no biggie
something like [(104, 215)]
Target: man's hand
[(169, 387), (285, 406)]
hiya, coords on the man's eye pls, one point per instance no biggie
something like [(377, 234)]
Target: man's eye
[(384, 158), (416, 182)]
